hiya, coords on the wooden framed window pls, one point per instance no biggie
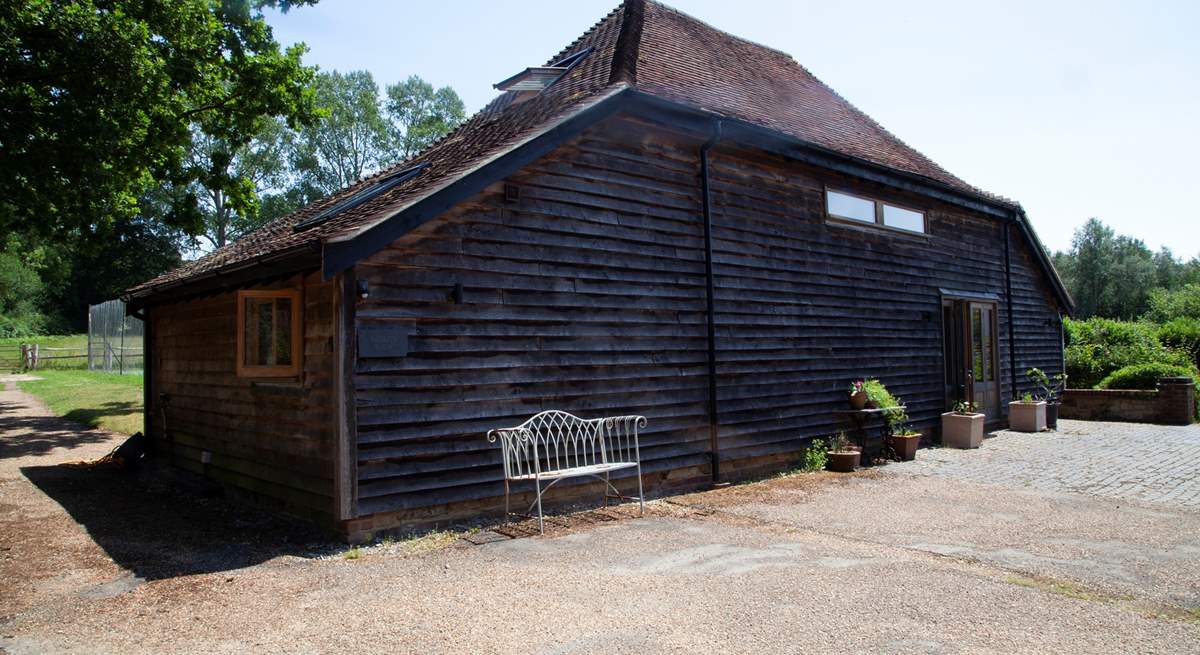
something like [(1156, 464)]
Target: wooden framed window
[(268, 333), (843, 206)]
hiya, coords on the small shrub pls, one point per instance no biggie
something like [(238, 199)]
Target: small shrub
[(814, 456), (353, 553), (1144, 376), (839, 444), (1183, 335)]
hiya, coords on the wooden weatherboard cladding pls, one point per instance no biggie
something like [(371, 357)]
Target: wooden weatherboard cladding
[(587, 294), (269, 438), (268, 344)]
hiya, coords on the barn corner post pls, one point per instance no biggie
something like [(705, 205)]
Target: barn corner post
[(1008, 304), (345, 423), (148, 405), (710, 303)]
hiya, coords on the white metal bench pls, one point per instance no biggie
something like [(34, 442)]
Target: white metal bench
[(554, 445)]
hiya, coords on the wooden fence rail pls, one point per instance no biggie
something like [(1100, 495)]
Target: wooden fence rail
[(32, 356)]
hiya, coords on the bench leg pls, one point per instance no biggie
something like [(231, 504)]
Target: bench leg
[(507, 514), (641, 495), (541, 526)]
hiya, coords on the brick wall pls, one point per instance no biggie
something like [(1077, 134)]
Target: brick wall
[(1173, 403)]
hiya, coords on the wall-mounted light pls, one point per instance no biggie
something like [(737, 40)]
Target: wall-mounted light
[(364, 289)]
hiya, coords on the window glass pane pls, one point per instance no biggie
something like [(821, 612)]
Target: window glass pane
[(250, 347), (905, 219), (262, 320), (977, 343), (283, 331), (989, 375), (847, 206)]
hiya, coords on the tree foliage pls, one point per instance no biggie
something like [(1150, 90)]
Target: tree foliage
[(1117, 276), (421, 115), (1170, 304), (100, 99)]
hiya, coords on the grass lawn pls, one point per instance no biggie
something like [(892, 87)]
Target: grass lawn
[(95, 399), (10, 351), (53, 341)]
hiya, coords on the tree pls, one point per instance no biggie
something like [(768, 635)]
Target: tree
[(420, 115), (1170, 304), (351, 139), (1107, 275), (21, 292), (229, 179), (100, 98)]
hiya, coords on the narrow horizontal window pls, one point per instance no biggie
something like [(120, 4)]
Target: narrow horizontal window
[(903, 219), (844, 205), (268, 338)]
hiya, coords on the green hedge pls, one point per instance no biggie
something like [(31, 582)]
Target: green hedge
[(1144, 376), (1098, 347), (1182, 334)]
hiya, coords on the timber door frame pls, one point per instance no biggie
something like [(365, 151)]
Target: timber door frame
[(961, 304)]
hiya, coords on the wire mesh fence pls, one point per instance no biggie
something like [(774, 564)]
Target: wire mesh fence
[(114, 340)]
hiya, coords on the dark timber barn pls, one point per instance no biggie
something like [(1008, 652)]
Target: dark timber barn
[(663, 220)]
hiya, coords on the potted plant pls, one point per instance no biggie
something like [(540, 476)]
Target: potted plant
[(963, 427), (878, 395), (1027, 414), (858, 395), (1051, 388), (841, 456), (904, 439)]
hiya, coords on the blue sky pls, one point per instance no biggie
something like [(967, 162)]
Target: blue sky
[(1076, 109)]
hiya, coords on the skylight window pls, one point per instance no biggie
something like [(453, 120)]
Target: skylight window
[(537, 78), (385, 183)]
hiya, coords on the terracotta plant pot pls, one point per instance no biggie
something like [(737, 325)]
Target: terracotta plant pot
[(842, 461), (871, 404), (858, 400), (1027, 417), (905, 446), (1052, 416), (962, 430)]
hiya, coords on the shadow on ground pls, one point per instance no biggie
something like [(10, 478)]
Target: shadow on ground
[(162, 524), (34, 435), (91, 416)]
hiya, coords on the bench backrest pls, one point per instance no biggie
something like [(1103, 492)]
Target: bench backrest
[(555, 441)]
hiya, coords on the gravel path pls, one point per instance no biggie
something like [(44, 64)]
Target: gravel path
[(901, 560)]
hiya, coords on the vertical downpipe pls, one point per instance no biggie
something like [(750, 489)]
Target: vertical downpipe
[(1012, 341), (706, 205)]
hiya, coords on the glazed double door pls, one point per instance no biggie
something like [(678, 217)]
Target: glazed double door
[(969, 340)]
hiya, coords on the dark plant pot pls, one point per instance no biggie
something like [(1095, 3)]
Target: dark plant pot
[(1052, 415), (906, 446), (858, 400), (871, 404), (842, 462)]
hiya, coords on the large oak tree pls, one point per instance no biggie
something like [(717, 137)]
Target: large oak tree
[(99, 100)]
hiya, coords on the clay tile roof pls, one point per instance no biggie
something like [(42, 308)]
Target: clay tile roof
[(641, 44)]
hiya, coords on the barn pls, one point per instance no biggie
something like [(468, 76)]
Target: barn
[(664, 220)]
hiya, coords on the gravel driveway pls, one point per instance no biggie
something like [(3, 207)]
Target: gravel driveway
[(933, 556)]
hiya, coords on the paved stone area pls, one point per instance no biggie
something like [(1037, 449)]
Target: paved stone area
[(1131, 461), (910, 558)]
